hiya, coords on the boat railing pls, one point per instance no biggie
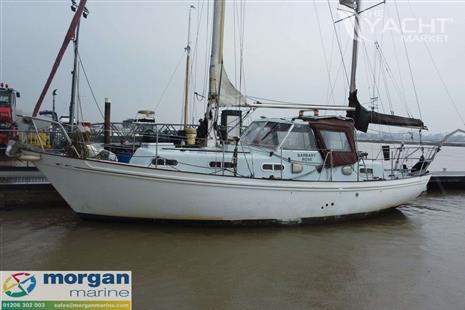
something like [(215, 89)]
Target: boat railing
[(44, 134), (135, 131), (406, 160), (52, 136)]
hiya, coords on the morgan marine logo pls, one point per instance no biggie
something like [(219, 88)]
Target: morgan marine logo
[(19, 284)]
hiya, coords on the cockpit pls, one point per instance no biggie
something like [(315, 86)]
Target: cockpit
[(332, 137)]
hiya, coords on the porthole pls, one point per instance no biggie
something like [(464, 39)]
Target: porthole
[(164, 162), (219, 164), (273, 167), (366, 170)]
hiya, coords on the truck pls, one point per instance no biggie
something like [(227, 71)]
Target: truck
[(8, 126)]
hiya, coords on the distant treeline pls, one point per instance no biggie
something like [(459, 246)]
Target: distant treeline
[(410, 137)]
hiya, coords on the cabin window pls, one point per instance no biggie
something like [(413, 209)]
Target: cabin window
[(273, 167), (271, 135), (164, 162), (300, 138), (219, 164), (252, 132), (366, 170), (336, 141)]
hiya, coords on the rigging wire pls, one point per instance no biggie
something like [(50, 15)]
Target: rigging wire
[(90, 86), (78, 107), (397, 63), (454, 103), (275, 100), (193, 73), (169, 81), (377, 74), (341, 65), (367, 67), (408, 60), (330, 90), (391, 76), (388, 93), (376, 95), (403, 92), (338, 42), (194, 64)]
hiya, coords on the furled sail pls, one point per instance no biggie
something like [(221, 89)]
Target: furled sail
[(362, 117), (228, 94), (222, 91)]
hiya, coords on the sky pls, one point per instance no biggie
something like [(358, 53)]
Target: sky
[(133, 53)]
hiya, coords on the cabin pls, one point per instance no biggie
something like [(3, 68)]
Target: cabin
[(307, 148)]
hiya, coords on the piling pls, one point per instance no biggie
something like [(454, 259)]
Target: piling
[(106, 130)]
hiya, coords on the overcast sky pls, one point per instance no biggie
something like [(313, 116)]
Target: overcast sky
[(130, 50)]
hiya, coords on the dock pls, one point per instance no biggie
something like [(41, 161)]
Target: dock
[(25, 185), (446, 180)]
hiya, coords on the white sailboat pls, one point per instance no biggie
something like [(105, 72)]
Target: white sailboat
[(280, 170)]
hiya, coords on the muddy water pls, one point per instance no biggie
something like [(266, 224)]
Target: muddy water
[(411, 258)]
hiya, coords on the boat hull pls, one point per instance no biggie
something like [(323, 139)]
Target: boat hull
[(119, 190)]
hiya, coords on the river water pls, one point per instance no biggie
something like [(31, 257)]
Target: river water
[(410, 258)]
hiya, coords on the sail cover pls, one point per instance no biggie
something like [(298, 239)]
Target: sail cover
[(362, 117)]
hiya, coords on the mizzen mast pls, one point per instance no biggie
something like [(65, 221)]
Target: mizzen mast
[(361, 116), (186, 81), (353, 72)]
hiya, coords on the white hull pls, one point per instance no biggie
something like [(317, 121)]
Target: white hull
[(113, 189)]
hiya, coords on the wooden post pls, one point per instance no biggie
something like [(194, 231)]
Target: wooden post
[(107, 130)]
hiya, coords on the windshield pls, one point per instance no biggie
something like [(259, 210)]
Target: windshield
[(251, 132), (269, 135), (4, 98), (300, 138)]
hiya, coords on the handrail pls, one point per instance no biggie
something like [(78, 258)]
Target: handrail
[(444, 140), (32, 119)]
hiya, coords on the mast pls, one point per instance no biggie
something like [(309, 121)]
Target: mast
[(216, 66), (79, 10), (72, 102), (353, 73), (186, 81), (361, 116)]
